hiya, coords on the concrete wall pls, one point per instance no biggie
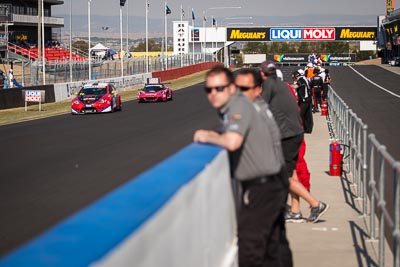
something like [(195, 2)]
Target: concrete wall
[(64, 91), (180, 72), (180, 213)]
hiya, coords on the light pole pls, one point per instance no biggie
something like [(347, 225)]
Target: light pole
[(120, 53), (90, 55), (127, 26), (70, 41), (147, 37), (226, 63), (44, 49)]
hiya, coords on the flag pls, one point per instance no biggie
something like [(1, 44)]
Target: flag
[(122, 2), (167, 10), (182, 13), (214, 22), (205, 18), (193, 17), (148, 3)]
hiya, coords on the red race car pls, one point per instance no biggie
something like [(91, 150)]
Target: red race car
[(154, 91), (96, 98)]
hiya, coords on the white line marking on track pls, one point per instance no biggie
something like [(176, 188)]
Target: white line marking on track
[(325, 229), (377, 85)]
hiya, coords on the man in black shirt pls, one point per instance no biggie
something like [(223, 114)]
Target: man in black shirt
[(316, 84), (304, 100)]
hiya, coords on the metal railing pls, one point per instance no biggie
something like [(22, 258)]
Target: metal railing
[(367, 164), (59, 71)]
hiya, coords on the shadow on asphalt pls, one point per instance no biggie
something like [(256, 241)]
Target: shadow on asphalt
[(348, 194), (360, 246)]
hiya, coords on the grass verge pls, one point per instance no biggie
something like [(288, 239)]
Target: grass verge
[(14, 115)]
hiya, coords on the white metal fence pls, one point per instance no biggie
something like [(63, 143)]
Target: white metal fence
[(374, 172)]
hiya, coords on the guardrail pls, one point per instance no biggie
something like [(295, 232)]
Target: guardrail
[(367, 163), (179, 213)]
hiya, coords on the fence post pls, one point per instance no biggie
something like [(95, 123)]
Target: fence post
[(372, 184), (365, 168), (396, 231), (381, 205)]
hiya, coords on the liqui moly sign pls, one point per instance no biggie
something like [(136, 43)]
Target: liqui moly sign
[(302, 34)]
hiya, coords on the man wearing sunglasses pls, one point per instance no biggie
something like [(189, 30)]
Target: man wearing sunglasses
[(260, 220)]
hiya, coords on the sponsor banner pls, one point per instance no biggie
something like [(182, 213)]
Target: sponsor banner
[(33, 96), (248, 34), (303, 58), (195, 33), (356, 33), (302, 34), (282, 58), (341, 57)]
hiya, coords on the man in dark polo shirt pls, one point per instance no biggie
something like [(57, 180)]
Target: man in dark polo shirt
[(261, 231), (285, 111)]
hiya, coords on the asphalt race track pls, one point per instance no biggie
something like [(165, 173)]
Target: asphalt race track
[(53, 167), (377, 108)]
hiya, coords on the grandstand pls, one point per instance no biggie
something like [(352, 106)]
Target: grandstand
[(19, 26), (58, 54)]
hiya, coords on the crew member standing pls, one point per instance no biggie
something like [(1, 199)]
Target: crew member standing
[(316, 84), (304, 100), (261, 229), (10, 78), (327, 83)]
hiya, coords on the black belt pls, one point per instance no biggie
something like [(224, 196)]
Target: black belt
[(257, 181)]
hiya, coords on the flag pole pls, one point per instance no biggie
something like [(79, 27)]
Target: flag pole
[(70, 41), (205, 36), (165, 30), (212, 41), (147, 37), (192, 36), (121, 57), (181, 21)]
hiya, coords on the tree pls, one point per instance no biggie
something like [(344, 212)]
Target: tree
[(81, 45), (153, 47), (303, 48), (255, 48)]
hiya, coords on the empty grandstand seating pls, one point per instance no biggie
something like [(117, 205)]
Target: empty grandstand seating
[(51, 54)]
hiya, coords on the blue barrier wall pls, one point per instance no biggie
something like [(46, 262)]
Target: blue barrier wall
[(93, 234)]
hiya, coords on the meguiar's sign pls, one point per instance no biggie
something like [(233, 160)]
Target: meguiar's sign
[(247, 34), (301, 34), (356, 33)]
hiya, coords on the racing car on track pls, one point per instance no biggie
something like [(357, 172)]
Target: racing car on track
[(154, 91), (96, 98)]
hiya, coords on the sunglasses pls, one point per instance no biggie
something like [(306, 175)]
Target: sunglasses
[(244, 88), (217, 88)]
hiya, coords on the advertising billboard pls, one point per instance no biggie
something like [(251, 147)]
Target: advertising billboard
[(195, 34), (356, 33), (302, 34), (247, 34), (303, 58)]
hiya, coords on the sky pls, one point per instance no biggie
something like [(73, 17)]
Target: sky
[(248, 7)]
